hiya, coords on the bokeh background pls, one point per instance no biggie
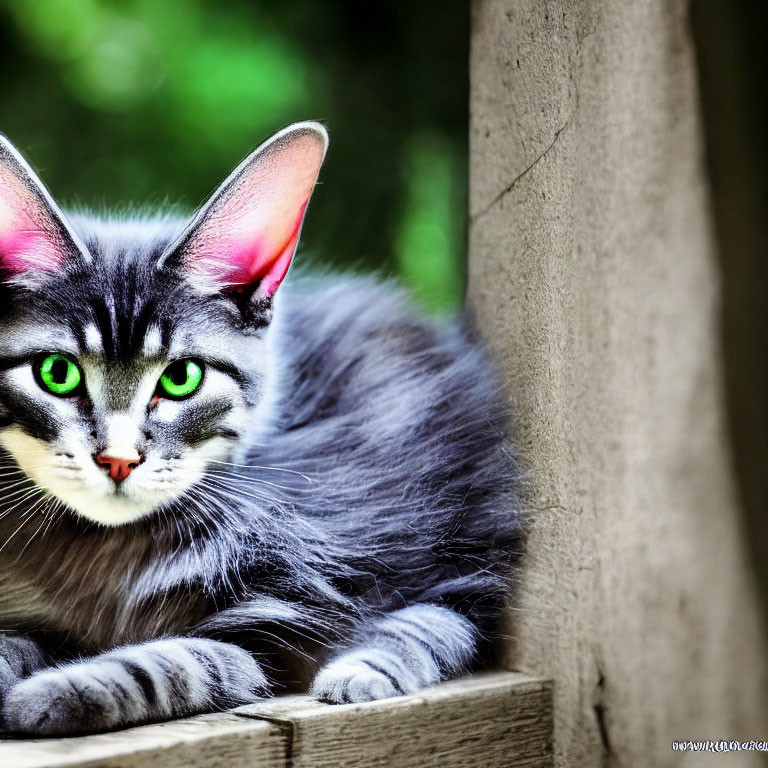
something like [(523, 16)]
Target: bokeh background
[(153, 102)]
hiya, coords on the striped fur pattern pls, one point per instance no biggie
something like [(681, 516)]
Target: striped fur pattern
[(157, 680), (334, 509)]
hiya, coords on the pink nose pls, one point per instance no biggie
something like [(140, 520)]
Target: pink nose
[(119, 467)]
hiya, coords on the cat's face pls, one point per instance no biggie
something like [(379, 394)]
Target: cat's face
[(123, 388), (135, 358)]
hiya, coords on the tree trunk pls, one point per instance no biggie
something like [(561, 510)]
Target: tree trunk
[(593, 279)]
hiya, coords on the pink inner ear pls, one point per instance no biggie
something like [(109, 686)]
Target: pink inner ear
[(28, 249), (249, 233), (26, 243), (244, 260)]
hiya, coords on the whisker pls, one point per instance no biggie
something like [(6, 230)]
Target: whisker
[(258, 480), (30, 494), (26, 518), (43, 513), (259, 466), (216, 484), (23, 481)]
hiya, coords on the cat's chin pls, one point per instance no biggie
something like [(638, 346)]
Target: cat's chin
[(110, 510)]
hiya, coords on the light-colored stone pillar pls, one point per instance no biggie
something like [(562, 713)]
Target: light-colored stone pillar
[(592, 276)]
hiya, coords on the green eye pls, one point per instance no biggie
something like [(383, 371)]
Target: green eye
[(181, 379), (59, 375)]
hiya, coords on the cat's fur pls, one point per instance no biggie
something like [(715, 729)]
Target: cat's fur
[(337, 509)]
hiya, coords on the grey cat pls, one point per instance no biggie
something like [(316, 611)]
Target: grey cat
[(212, 490)]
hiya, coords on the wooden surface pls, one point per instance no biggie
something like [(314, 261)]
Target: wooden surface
[(499, 719), (593, 278)]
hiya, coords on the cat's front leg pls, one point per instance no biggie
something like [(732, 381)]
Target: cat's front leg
[(19, 657), (157, 680), (399, 653)]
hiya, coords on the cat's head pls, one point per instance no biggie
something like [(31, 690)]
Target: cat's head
[(134, 356)]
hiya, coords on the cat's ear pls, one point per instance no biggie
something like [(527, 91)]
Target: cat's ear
[(34, 236), (245, 236)]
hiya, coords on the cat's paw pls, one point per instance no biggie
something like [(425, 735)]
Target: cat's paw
[(348, 680), (57, 702)]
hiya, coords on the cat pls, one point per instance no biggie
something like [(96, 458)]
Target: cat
[(211, 489)]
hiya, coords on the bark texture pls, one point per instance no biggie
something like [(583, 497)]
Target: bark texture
[(593, 278)]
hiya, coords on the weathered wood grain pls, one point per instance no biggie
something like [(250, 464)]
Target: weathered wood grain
[(592, 277), (215, 741), (499, 719), (492, 719)]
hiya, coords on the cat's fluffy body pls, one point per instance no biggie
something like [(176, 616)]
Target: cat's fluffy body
[(340, 497)]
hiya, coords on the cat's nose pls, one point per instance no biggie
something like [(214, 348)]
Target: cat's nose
[(119, 466)]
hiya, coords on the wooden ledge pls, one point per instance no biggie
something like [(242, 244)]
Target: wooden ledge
[(499, 719)]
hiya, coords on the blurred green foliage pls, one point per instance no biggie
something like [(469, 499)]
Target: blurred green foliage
[(152, 102)]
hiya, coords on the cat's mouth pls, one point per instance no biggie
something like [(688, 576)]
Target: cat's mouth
[(119, 491)]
